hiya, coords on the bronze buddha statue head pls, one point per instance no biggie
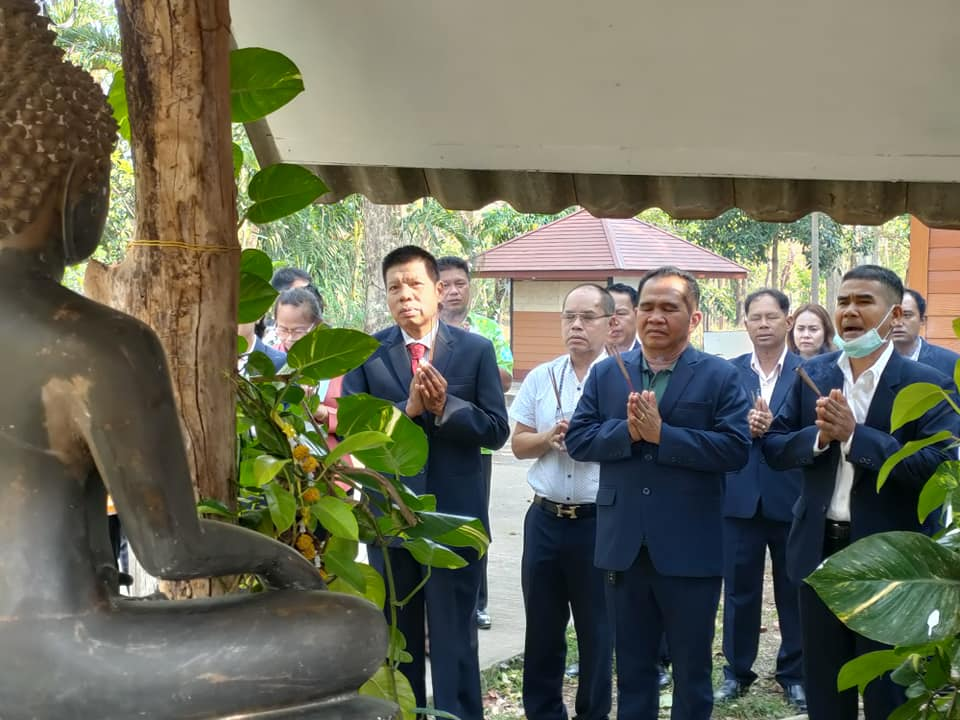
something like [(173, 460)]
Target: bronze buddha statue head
[(57, 133)]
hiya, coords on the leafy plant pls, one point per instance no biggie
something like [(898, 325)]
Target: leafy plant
[(292, 486), (903, 588)]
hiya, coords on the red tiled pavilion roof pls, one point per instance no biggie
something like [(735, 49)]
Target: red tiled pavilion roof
[(582, 247)]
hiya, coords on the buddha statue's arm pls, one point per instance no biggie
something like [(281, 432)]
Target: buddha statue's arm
[(134, 435)]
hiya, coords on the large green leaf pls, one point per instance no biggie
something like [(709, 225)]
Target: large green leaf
[(408, 452), (375, 590), (380, 686), (325, 353), (337, 517), (260, 364), (344, 566), (280, 190), (282, 506), (455, 530), (265, 469), (117, 97), (210, 506), (255, 298), (906, 451), (913, 401), (256, 262), (261, 81), (427, 552), (860, 671), (358, 441), (898, 588), (936, 489)]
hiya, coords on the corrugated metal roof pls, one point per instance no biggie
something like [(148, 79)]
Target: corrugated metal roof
[(581, 246), (851, 202)]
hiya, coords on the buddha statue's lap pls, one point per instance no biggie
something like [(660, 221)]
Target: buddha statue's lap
[(88, 407)]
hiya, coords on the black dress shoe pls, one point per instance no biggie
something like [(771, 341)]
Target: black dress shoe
[(796, 696), (483, 620), (729, 690), (663, 676)]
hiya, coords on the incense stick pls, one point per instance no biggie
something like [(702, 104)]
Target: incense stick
[(615, 352), (556, 389), (808, 382)]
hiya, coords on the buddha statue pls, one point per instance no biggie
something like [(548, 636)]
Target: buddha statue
[(87, 408)]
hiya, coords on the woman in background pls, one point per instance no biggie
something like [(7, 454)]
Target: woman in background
[(812, 331)]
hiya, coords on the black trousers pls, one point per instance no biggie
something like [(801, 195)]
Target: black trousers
[(827, 645), (558, 576), (486, 462)]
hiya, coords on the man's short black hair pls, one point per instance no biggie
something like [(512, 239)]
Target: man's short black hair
[(885, 276), (285, 277), (452, 262), (919, 299), (607, 303), (693, 287), (301, 297), (409, 253), (782, 300), (624, 289)]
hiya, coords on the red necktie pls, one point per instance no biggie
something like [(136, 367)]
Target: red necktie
[(417, 351)]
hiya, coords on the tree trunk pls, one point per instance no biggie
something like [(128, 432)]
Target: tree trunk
[(379, 238), (775, 263), (181, 274)]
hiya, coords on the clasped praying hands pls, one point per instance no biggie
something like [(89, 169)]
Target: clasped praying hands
[(643, 417), (835, 418), (428, 391), (759, 418)]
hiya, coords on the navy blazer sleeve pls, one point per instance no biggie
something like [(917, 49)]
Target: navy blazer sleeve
[(592, 436)]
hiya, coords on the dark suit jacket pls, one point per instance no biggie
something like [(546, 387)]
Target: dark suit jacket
[(667, 496), (939, 357), (789, 444), (774, 491), (475, 415), (277, 357)]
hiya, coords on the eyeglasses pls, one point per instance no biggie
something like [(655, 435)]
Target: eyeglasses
[(292, 333), (587, 317)]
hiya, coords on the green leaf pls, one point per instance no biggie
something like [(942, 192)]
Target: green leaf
[(379, 686), (408, 452), (215, 507), (913, 401), (261, 81), (869, 666), (910, 710), (292, 395), (375, 591), (265, 469), (427, 552), (237, 152), (325, 353), (259, 364), (280, 190), (282, 506), (455, 530), (337, 517), (870, 583), (907, 450), (348, 570), (256, 262), (255, 297), (364, 440), (956, 329), (935, 490), (117, 97)]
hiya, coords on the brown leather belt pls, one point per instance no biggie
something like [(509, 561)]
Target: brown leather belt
[(575, 511)]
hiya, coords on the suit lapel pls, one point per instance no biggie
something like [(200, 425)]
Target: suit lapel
[(444, 348), (888, 385), (681, 376), (399, 358), (790, 363)]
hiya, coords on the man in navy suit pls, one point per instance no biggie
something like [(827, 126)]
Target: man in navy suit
[(664, 440), (458, 401), (757, 510), (840, 440), (907, 340)]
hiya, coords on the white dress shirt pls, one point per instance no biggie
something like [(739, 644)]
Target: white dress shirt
[(555, 475), (767, 382), (915, 355), (859, 395), (426, 340)]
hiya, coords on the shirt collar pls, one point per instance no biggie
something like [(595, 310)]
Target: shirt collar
[(916, 352), (669, 368), (426, 340), (875, 370), (755, 364)]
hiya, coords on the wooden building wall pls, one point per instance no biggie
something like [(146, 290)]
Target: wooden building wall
[(934, 271)]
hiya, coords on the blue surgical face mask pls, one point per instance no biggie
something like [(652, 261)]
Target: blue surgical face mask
[(865, 344)]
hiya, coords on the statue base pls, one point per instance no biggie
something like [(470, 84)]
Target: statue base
[(351, 707)]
